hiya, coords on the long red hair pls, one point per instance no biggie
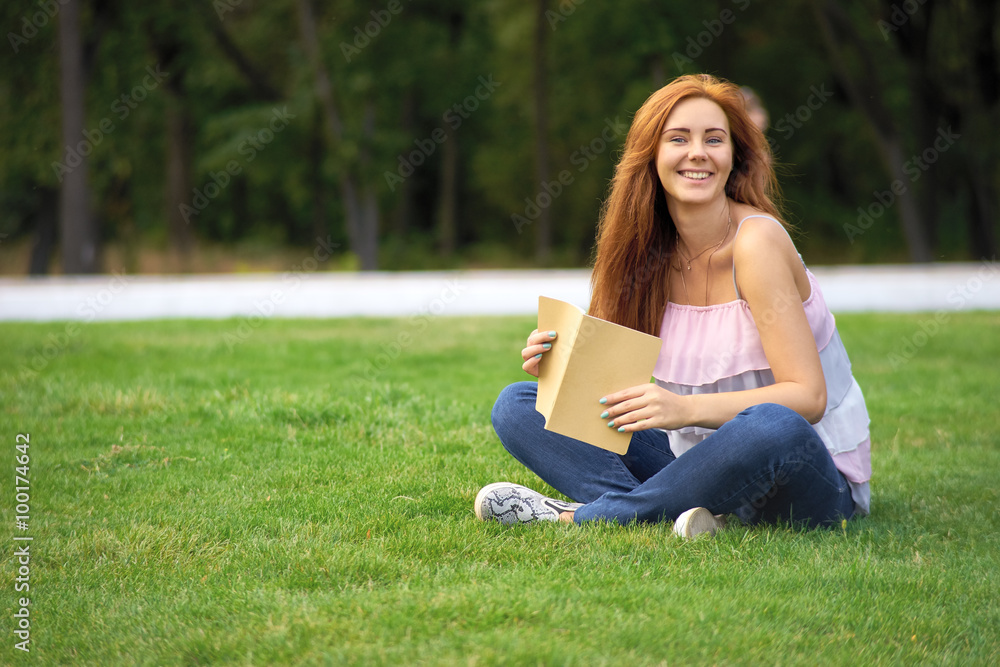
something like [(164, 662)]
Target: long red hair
[(636, 236)]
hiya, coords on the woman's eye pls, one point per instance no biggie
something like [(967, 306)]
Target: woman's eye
[(677, 140), (714, 140)]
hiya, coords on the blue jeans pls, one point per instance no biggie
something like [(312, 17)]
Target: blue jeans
[(764, 465)]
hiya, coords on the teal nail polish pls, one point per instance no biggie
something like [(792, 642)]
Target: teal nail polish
[(538, 356), (552, 334), (621, 429), (603, 401), (604, 415), (547, 346), (611, 424)]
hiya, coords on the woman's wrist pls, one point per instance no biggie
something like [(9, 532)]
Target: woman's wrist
[(692, 406)]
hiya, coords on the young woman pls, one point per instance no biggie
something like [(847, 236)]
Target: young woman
[(754, 411)]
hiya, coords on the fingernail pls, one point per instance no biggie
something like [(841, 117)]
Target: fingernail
[(611, 424), (538, 356), (604, 415), (552, 334), (603, 401), (547, 346), (621, 429)]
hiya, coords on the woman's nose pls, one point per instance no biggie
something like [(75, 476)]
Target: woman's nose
[(696, 150)]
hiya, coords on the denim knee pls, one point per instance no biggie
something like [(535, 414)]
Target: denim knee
[(513, 404), (781, 431), (772, 418)]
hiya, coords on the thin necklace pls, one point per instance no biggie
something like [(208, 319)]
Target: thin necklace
[(717, 245), (687, 296), (708, 268)]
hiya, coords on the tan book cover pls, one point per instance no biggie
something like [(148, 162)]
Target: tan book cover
[(590, 358)]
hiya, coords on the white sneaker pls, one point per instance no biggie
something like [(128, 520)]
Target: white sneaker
[(512, 503), (697, 521)]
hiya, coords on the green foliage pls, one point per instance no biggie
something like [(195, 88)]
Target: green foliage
[(291, 497), (404, 76)]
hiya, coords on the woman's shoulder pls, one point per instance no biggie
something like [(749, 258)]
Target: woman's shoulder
[(761, 246), (758, 231)]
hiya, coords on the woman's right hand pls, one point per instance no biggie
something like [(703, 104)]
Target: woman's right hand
[(538, 344)]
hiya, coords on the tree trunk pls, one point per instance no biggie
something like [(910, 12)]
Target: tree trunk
[(262, 88), (370, 218), (929, 110), (866, 96), (447, 217), (543, 247), (243, 219), (179, 179), (316, 184), (169, 44), (360, 211), (985, 175), (658, 71), (76, 224), (44, 240), (982, 215), (403, 216), (910, 215), (369, 224)]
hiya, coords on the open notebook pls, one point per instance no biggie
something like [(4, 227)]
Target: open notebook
[(590, 358)]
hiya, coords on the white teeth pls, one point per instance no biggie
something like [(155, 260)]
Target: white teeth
[(697, 175)]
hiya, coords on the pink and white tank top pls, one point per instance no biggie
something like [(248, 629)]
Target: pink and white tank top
[(711, 349)]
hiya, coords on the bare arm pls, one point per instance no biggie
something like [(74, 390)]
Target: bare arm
[(772, 282)]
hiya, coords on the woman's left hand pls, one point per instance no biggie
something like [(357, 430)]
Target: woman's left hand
[(643, 407)]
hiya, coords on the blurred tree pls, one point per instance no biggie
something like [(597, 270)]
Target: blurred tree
[(485, 131), (80, 241), (448, 183), (866, 91), (543, 226), (168, 31), (361, 211), (953, 63)]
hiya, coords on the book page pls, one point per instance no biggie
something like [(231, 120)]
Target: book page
[(603, 358), (565, 319)]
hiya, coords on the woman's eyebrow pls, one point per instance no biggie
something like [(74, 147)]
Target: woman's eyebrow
[(684, 129)]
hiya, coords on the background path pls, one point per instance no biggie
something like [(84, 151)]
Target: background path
[(900, 288)]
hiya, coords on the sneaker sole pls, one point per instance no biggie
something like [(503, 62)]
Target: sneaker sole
[(696, 521)]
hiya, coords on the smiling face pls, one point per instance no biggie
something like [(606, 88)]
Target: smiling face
[(695, 155)]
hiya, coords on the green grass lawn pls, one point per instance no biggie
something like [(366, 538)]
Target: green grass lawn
[(300, 492)]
